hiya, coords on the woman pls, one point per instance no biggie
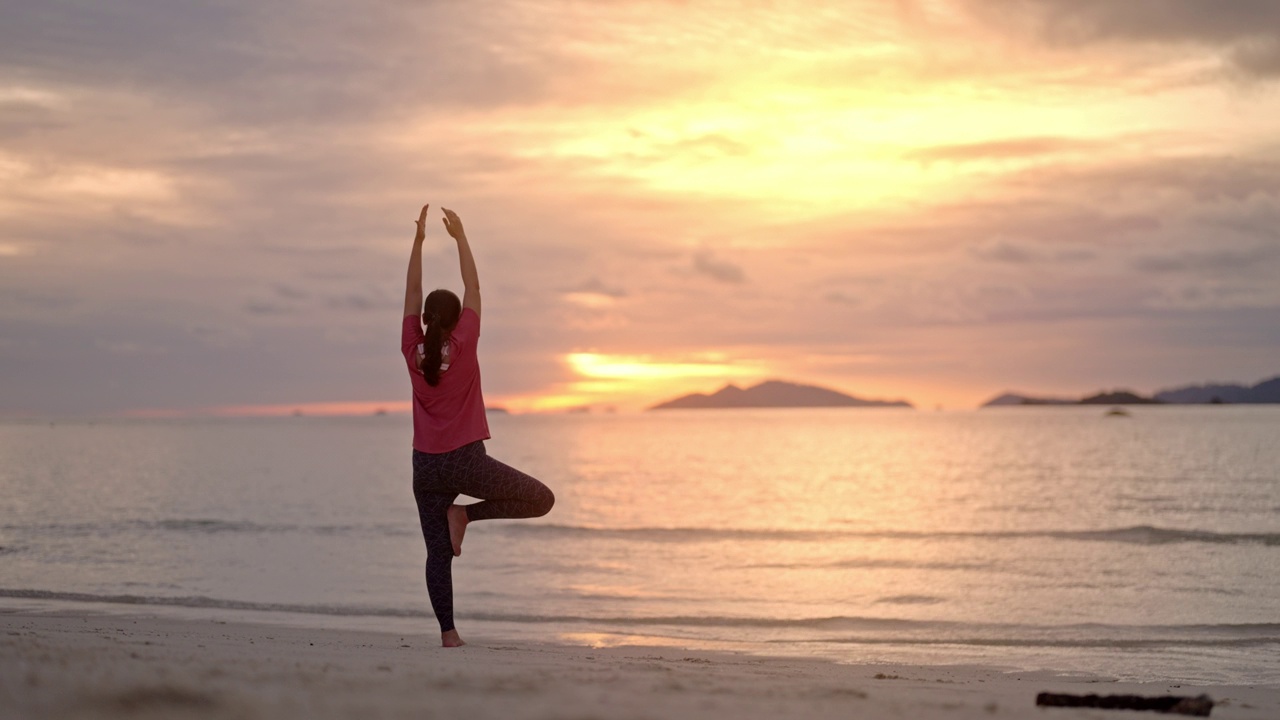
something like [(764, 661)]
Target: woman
[(449, 425)]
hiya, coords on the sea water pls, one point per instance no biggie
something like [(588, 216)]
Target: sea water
[(1144, 547)]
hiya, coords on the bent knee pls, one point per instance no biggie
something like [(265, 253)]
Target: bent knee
[(546, 499)]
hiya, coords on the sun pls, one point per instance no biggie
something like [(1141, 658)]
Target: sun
[(633, 382)]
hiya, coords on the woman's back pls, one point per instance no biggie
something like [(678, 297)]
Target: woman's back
[(449, 414)]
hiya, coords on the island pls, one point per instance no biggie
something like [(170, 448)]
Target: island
[(1266, 391), (1119, 397), (773, 394), (1006, 399)]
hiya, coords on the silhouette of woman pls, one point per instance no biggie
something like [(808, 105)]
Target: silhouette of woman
[(449, 425)]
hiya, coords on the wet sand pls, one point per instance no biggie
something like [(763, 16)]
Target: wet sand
[(66, 664)]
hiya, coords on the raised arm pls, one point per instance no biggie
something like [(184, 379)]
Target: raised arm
[(413, 284), (470, 279)]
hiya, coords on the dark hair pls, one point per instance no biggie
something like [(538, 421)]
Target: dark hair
[(440, 312)]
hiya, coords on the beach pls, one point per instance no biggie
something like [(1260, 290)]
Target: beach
[(71, 663)]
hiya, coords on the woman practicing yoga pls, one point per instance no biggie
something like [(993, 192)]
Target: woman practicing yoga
[(449, 425)]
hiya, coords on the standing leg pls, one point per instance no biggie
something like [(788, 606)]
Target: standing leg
[(432, 515)]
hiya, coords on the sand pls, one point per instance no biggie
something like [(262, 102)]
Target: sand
[(71, 664)]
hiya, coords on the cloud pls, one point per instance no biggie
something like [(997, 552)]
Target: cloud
[(287, 61), (1219, 261), (997, 150), (1142, 238), (1261, 57), (1003, 251), (290, 292), (705, 263), (1245, 32), (595, 286), (263, 307), (20, 299), (841, 298), (1198, 179), (20, 121), (288, 300), (1074, 255), (701, 146), (361, 302)]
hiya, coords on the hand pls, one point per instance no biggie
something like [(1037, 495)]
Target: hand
[(421, 222), (453, 225)]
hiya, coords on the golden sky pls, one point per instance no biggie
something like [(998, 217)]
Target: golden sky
[(209, 209)]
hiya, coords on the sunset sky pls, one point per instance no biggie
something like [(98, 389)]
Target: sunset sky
[(208, 207)]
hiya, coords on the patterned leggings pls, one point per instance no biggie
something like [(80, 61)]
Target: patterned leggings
[(438, 479)]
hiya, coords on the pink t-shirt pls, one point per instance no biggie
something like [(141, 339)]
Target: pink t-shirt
[(451, 414)]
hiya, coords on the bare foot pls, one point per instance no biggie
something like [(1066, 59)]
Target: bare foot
[(457, 527), (451, 639)]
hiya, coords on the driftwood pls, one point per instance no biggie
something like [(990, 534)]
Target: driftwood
[(1200, 706)]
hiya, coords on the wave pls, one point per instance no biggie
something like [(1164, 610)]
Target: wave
[(1136, 535), (871, 564), (199, 601), (836, 629), (225, 526), (1083, 643), (202, 526), (910, 600)]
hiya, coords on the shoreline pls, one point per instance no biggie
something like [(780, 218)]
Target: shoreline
[(1122, 662), (83, 664)]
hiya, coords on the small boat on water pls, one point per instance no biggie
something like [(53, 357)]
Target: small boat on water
[(1117, 412)]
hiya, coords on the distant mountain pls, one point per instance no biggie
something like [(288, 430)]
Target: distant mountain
[(773, 393), (1015, 399), (1267, 391), (1118, 397), (1197, 394)]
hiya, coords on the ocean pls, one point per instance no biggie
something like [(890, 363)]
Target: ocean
[(1143, 547)]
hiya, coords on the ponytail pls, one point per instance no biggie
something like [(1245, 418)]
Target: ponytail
[(434, 352), (440, 312)]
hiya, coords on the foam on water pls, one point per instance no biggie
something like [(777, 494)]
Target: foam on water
[(1139, 534)]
